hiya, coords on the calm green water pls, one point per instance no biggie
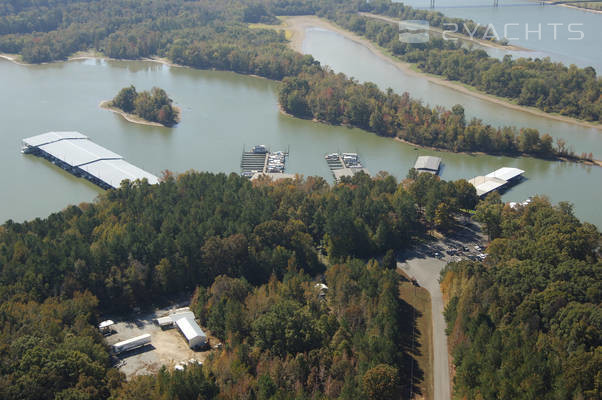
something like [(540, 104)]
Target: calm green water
[(221, 113)]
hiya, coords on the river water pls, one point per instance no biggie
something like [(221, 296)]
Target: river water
[(221, 113), (549, 27)]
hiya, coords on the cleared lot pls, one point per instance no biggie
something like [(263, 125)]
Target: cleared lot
[(168, 347)]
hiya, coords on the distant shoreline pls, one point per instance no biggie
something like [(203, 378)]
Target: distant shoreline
[(570, 5), (134, 118), (298, 24)]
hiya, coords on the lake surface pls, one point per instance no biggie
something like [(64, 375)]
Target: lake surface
[(529, 15), (221, 112)]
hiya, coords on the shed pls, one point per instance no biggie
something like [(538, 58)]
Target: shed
[(164, 322)]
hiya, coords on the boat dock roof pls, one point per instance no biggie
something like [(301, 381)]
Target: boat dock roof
[(428, 164), (342, 172), (506, 173), (82, 156), (495, 180)]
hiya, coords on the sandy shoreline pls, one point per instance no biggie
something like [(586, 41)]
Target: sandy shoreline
[(134, 118), (298, 24), (554, 3)]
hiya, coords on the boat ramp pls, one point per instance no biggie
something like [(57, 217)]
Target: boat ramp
[(77, 154), (344, 164)]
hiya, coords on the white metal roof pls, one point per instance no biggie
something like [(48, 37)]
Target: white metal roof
[(52, 137), (164, 320), (428, 162), (486, 184), (78, 152), (105, 324), (506, 173), (272, 175), (115, 171), (146, 336), (190, 329)]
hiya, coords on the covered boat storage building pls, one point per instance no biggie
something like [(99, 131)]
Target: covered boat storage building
[(428, 164), (77, 154), (498, 179)]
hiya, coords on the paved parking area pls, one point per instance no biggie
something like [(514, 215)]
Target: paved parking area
[(168, 347)]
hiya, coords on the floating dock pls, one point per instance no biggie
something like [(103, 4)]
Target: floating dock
[(260, 161), (499, 180), (77, 154), (345, 164), (428, 164)]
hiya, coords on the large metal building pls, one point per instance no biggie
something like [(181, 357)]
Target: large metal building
[(193, 333), (77, 154)]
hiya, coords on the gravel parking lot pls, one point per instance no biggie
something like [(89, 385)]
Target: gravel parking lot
[(168, 347)]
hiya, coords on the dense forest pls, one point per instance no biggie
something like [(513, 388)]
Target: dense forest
[(253, 253), (527, 323), (142, 243), (215, 34), (154, 106)]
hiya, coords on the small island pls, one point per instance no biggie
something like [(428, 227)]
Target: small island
[(147, 108)]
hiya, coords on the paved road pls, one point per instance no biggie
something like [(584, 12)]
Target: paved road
[(420, 263), (426, 271)]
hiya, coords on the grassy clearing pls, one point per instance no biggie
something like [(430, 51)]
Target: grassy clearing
[(280, 27)]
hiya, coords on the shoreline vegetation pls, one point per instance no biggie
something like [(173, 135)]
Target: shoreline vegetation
[(549, 86), (106, 105), (337, 100), (297, 25), (147, 108)]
